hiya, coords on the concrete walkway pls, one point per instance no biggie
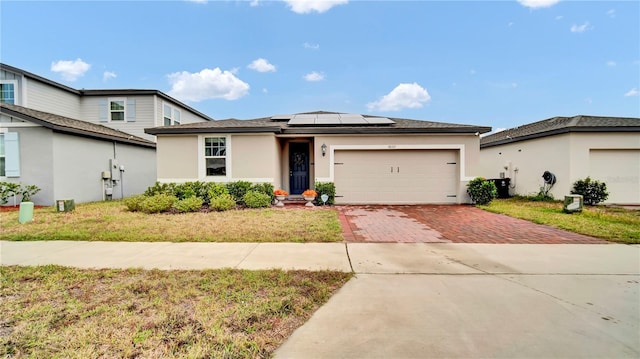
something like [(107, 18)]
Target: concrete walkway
[(421, 299)]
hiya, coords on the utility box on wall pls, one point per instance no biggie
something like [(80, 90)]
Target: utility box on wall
[(65, 205)]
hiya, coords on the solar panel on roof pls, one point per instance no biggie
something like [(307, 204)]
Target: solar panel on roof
[(379, 121), (281, 117), (302, 120), (328, 119), (348, 119)]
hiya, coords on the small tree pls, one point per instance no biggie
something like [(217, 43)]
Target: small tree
[(481, 191), (593, 192)]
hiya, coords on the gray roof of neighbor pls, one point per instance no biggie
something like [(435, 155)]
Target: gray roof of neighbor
[(71, 126), (559, 125), (279, 124), (103, 92)]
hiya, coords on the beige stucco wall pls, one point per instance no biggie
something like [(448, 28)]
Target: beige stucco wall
[(565, 155), (254, 158), (177, 158)]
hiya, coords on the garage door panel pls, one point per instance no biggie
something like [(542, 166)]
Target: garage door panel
[(620, 170), (396, 176)]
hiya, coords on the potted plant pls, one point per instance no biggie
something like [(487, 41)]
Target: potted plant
[(280, 195), (309, 195)]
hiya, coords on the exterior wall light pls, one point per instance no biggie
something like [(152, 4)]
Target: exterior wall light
[(324, 149)]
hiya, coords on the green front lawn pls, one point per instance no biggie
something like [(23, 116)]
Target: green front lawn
[(58, 312), (614, 224), (111, 221)]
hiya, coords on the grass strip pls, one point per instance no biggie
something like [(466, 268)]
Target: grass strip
[(610, 223), (111, 221), (60, 312)]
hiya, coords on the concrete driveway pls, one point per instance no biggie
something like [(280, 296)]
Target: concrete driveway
[(479, 301)]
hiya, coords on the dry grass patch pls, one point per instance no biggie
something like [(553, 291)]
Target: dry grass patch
[(111, 221), (53, 311), (613, 224)]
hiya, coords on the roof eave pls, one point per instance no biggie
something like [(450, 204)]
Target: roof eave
[(181, 131), (73, 131), (561, 131)]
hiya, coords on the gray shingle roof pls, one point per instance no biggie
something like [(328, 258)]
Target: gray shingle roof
[(559, 125), (72, 126), (266, 124)]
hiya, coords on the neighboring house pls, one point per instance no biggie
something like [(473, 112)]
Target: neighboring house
[(62, 139), (370, 159), (126, 110), (572, 148), (70, 159)]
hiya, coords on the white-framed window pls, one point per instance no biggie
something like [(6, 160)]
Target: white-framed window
[(215, 156), (8, 91), (117, 109), (170, 115), (176, 116)]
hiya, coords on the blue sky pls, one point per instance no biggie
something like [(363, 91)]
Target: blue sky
[(499, 63)]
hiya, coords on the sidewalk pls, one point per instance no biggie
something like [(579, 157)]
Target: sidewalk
[(417, 300), (361, 258)]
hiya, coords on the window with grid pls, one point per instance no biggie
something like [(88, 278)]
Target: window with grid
[(116, 110), (7, 93), (215, 156)]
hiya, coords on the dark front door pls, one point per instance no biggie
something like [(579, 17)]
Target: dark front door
[(298, 167)]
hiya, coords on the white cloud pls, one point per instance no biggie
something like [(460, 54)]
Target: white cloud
[(580, 28), (262, 65), (403, 96), (311, 46), (473, 72), (314, 76), (264, 90), (499, 129), (611, 63), (611, 13), (198, 1), (206, 84), (536, 4), (307, 6), (70, 70), (559, 17), (108, 75), (633, 92), (514, 85), (254, 3)]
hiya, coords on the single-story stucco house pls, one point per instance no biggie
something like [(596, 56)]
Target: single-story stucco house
[(371, 159), (572, 148)]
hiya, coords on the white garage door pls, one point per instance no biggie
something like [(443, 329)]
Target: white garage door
[(396, 176), (620, 170)]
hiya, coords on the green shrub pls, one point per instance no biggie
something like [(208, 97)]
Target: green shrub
[(222, 202), (160, 188), (481, 191), (266, 188), (8, 190), (191, 204), (158, 203), (255, 199), (328, 188), (238, 189), (216, 190), (542, 196), (593, 192), (134, 204)]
